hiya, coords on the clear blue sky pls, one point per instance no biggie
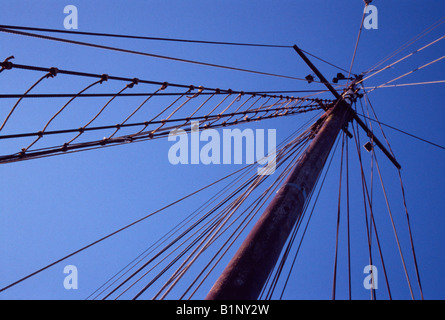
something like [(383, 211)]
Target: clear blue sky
[(53, 206)]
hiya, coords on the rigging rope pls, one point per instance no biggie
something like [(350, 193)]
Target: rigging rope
[(139, 269), (46, 76), (408, 73), (404, 202), (407, 44), (308, 221), (166, 39), (334, 281), (406, 84), (114, 35), (119, 230), (279, 106), (403, 131), (401, 59), (357, 41), (98, 46)]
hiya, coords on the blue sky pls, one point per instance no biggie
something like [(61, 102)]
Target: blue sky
[(52, 206)]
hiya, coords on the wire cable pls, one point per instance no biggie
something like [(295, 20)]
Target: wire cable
[(133, 137), (98, 46), (348, 220), (394, 227), (404, 204), (142, 94), (370, 194), (11, 65), (334, 281), (404, 132), (113, 35), (190, 217), (308, 220), (119, 230), (406, 84), (364, 193), (164, 39), (357, 41), (401, 59), (239, 189), (296, 145), (407, 44), (408, 73)]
